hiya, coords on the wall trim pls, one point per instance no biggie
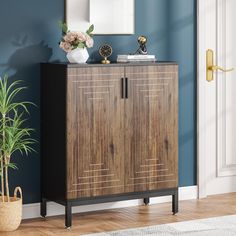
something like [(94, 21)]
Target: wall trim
[(33, 210)]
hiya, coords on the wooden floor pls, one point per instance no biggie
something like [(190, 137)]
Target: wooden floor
[(131, 217)]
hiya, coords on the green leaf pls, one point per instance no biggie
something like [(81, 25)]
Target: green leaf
[(81, 45), (90, 30), (14, 135), (63, 27), (12, 166)]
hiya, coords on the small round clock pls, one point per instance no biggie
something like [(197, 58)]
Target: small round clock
[(105, 51)]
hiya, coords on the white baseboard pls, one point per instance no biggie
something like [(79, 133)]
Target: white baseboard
[(53, 209)]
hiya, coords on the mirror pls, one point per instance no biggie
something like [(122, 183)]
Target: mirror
[(108, 16)]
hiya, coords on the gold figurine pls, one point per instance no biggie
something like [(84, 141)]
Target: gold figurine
[(142, 40)]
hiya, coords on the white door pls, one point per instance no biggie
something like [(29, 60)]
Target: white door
[(217, 99)]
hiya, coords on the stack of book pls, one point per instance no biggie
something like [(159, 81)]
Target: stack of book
[(136, 58)]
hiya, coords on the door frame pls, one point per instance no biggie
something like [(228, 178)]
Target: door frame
[(206, 93)]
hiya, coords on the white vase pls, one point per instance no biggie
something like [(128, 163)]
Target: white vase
[(78, 55)]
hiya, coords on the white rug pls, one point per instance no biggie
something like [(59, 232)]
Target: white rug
[(218, 226)]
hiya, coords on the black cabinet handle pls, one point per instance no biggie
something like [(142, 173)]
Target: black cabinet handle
[(126, 87), (112, 149), (122, 88)]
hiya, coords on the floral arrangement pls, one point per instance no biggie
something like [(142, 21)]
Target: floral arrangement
[(72, 40)]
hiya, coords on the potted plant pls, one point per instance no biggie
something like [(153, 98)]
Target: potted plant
[(14, 138), (75, 44)]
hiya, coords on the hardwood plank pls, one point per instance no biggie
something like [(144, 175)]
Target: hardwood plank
[(130, 217)]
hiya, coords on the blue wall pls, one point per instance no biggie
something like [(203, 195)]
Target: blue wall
[(29, 34)]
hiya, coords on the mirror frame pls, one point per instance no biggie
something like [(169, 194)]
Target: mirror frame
[(80, 20)]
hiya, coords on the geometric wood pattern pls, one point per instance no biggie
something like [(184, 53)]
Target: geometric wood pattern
[(121, 145), (151, 128), (94, 132)]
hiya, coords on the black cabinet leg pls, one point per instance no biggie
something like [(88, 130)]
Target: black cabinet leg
[(175, 203), (68, 216), (146, 201), (43, 207)]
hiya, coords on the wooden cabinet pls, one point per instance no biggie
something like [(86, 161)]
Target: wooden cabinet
[(109, 132)]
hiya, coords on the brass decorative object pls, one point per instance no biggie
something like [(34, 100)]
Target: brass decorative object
[(105, 51), (142, 40)]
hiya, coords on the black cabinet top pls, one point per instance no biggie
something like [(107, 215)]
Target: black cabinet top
[(71, 65)]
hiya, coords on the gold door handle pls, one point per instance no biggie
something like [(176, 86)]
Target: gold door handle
[(210, 67), (215, 68)]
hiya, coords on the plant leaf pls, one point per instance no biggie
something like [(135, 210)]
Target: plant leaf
[(14, 135), (12, 166), (81, 45), (90, 30), (63, 27)]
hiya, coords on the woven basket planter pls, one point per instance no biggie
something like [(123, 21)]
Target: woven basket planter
[(11, 212)]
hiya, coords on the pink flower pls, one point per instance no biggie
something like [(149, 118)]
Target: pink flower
[(66, 46), (89, 41), (70, 37), (73, 40), (81, 37)]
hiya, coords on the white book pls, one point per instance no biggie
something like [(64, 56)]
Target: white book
[(125, 61), (136, 57)]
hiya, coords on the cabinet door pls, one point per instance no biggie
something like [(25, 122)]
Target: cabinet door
[(95, 132), (151, 128)]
